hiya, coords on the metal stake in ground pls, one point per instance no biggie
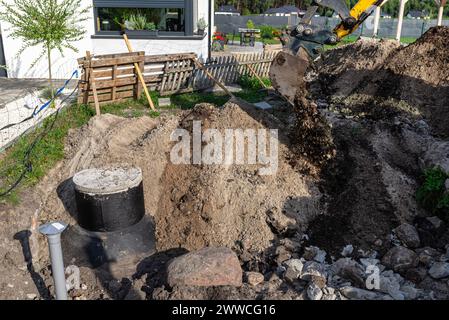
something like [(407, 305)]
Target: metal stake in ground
[(53, 232)]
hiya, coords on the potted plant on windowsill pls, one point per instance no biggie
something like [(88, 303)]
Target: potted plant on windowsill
[(138, 25), (202, 25)]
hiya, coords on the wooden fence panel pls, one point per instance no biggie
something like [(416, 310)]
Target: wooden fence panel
[(116, 79)]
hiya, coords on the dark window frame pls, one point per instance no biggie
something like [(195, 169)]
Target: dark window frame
[(187, 5)]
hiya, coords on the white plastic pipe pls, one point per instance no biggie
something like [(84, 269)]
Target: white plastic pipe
[(401, 19), (53, 232), (440, 15), (376, 21)]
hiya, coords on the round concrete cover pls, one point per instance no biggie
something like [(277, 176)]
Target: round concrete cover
[(107, 180)]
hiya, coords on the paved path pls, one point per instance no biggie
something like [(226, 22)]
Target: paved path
[(18, 99), (13, 89)]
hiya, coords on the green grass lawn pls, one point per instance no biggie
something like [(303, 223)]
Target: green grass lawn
[(236, 39), (352, 38), (49, 150)]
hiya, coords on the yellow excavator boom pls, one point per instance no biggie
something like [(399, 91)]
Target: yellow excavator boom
[(361, 10)]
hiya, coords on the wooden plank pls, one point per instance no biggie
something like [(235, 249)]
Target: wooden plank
[(108, 72), (114, 77), (115, 83), (119, 55), (169, 57), (139, 84), (108, 96), (109, 90), (114, 61), (165, 76)]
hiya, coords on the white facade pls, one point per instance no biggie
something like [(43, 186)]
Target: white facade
[(19, 66)]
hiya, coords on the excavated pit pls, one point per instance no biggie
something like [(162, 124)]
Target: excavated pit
[(351, 155)]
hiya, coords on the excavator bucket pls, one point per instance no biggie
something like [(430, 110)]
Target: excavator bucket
[(287, 74), (289, 66)]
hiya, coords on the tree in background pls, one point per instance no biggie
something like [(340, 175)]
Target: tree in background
[(49, 24)]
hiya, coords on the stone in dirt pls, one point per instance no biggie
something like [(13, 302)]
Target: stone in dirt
[(263, 105), (164, 102), (206, 267), (313, 269), (408, 235), (435, 221), (347, 250), (427, 255), (390, 283), (439, 270), (400, 259), (293, 269), (359, 294), (314, 292), (254, 278), (349, 270), (282, 254), (416, 275), (314, 253)]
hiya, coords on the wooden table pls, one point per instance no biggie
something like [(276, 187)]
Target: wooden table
[(248, 36)]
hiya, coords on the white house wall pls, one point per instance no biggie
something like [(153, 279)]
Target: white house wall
[(152, 47), (19, 66), (63, 66)]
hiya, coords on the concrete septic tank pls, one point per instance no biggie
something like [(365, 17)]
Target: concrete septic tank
[(111, 222)]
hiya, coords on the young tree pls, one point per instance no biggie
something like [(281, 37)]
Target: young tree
[(48, 24)]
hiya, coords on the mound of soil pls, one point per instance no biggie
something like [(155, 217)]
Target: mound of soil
[(380, 79), (229, 205), (193, 205)]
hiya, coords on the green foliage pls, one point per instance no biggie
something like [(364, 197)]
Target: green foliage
[(267, 32), (252, 83), (139, 21), (246, 12), (46, 153), (250, 24), (49, 24), (47, 93), (432, 195), (202, 24)]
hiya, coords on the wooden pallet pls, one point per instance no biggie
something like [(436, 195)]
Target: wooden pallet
[(115, 76)]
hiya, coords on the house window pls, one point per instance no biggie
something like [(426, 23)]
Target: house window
[(150, 18), (141, 19)]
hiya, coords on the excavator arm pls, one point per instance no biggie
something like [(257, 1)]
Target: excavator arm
[(307, 40), (312, 37), (361, 10)]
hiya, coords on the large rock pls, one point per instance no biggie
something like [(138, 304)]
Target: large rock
[(408, 235), (400, 259), (439, 270), (206, 267)]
